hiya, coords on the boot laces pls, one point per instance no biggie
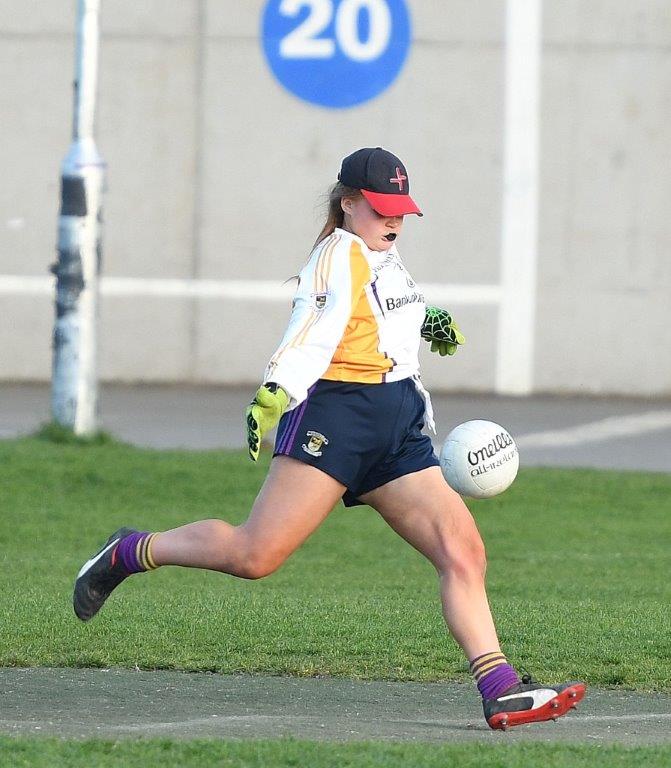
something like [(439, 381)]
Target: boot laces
[(527, 677)]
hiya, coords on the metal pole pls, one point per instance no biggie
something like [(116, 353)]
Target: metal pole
[(74, 379)]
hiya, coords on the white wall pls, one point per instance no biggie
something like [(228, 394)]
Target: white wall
[(215, 172)]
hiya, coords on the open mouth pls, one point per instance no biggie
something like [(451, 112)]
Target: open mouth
[(390, 237)]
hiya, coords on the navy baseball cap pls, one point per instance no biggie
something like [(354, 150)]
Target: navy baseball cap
[(382, 179)]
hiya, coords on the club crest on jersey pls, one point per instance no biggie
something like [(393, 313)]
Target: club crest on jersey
[(320, 300), (315, 443)]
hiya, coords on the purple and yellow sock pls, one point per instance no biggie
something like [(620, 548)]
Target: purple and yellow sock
[(134, 552), (493, 675)]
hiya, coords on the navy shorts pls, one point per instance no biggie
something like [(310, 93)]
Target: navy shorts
[(363, 435)]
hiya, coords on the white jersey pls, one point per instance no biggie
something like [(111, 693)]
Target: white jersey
[(356, 317)]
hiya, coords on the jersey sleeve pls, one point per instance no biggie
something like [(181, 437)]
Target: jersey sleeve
[(329, 285)]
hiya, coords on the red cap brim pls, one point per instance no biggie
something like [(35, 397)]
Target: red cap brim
[(391, 205)]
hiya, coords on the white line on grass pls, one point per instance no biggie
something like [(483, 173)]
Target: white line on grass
[(198, 721), (597, 431), (289, 720), (628, 718), (576, 718)]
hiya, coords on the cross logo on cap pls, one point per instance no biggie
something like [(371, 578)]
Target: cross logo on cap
[(398, 179)]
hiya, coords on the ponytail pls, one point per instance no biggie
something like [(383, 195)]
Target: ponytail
[(335, 215)]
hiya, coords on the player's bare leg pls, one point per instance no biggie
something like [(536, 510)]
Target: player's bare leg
[(427, 513), (294, 500)]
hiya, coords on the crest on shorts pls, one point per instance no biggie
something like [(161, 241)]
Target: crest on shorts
[(315, 443)]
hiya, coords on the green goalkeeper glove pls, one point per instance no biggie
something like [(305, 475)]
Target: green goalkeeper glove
[(263, 413), (440, 329)]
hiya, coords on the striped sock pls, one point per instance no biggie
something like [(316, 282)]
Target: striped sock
[(493, 675), (134, 552)]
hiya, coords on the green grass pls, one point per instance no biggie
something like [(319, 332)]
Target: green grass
[(25, 752), (578, 575)]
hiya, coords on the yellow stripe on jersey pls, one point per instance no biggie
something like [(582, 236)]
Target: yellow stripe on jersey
[(357, 357), (320, 285), (323, 266), (322, 273)]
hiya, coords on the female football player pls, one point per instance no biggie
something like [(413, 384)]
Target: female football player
[(343, 389)]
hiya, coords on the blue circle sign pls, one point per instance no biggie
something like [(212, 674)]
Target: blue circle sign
[(336, 53)]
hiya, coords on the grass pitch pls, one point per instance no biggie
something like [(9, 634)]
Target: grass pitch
[(288, 753), (577, 576), (577, 580)]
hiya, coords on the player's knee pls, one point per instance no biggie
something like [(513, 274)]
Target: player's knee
[(464, 559), (257, 563), (258, 568)]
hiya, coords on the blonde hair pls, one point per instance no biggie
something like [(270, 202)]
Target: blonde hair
[(335, 215)]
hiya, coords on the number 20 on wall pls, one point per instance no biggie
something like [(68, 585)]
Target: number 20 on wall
[(304, 41), (336, 53)]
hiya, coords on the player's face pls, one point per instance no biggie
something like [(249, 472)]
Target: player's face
[(378, 232)]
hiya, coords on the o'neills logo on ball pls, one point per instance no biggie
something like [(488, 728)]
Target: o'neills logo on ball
[(500, 442)]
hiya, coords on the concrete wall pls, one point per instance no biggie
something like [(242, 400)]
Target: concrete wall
[(605, 271), (215, 171)]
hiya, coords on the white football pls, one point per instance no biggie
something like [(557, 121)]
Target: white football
[(479, 459)]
